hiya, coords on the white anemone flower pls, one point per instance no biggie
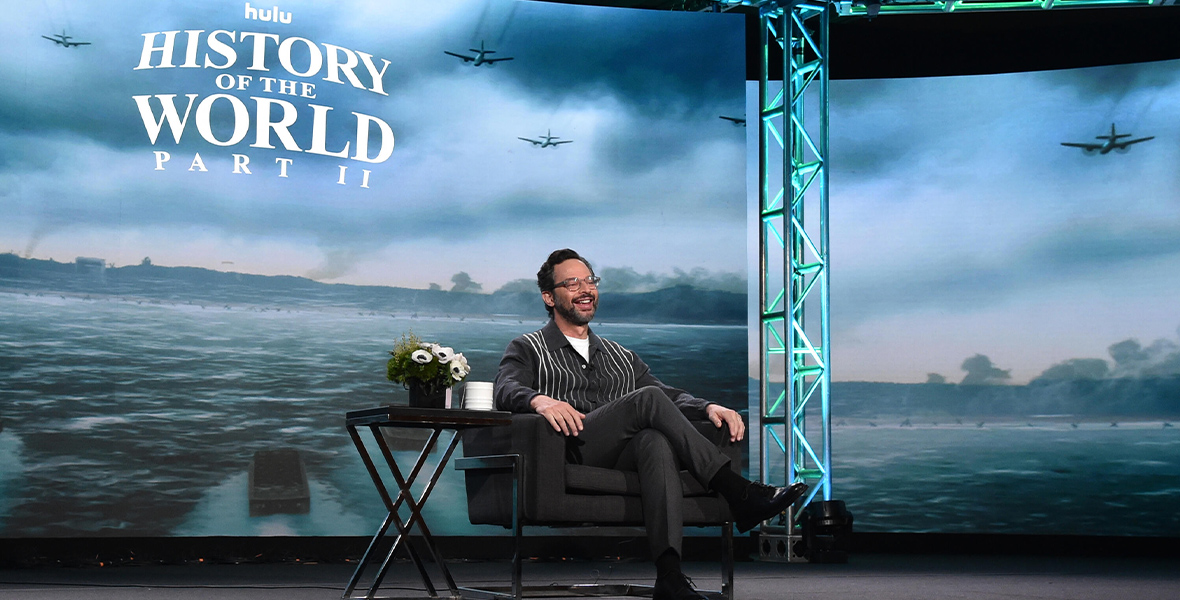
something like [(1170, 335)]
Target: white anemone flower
[(421, 357), (459, 367), (458, 372), (462, 360), (443, 353)]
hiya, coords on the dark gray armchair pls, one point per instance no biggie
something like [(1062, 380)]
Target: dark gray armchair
[(517, 476)]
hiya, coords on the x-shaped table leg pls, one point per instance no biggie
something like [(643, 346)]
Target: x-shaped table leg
[(405, 494)]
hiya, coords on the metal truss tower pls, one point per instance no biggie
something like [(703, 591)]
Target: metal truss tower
[(794, 427), (795, 389)]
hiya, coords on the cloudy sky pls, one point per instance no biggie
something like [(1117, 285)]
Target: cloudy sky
[(653, 181), (961, 226)]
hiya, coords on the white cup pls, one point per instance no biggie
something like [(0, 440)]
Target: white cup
[(477, 395)]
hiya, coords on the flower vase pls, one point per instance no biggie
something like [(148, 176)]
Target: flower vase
[(420, 398)]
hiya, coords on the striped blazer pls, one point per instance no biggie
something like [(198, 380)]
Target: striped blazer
[(544, 362)]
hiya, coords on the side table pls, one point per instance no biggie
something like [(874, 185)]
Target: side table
[(437, 420)]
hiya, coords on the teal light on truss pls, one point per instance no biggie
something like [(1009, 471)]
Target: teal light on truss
[(777, 299), (807, 396), (774, 131), (769, 222), (777, 440), (808, 347), (781, 345), (778, 402), (777, 203), (806, 446)]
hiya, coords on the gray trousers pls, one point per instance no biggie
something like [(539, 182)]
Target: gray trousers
[(645, 432)]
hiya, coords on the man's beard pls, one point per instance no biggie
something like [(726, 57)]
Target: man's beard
[(572, 315)]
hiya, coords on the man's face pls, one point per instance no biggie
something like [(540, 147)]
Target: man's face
[(576, 307)]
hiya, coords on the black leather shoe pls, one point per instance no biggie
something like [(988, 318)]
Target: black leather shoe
[(762, 502), (675, 586)]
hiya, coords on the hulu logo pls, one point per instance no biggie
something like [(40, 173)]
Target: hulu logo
[(264, 14)]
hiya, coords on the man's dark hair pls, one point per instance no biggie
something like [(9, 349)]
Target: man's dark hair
[(545, 276)]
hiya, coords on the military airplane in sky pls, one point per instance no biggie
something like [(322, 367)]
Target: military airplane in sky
[(1112, 143), (737, 122), (62, 39), (481, 56), (546, 140)]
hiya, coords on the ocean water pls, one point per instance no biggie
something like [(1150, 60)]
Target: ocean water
[(127, 417), (130, 418), (1058, 477)]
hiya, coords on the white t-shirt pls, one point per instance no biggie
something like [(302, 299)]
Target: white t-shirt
[(582, 346)]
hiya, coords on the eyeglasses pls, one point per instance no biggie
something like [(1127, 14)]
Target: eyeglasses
[(573, 283)]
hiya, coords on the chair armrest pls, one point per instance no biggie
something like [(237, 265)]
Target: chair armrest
[(542, 452), (491, 462)]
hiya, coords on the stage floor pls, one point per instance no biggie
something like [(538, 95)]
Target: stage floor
[(880, 577)]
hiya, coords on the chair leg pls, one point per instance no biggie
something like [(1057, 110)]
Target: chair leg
[(517, 528), (727, 560)]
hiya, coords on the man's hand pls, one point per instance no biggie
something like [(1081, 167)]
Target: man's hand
[(561, 415), (720, 415)]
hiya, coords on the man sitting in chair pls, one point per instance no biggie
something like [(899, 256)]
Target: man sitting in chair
[(616, 414)]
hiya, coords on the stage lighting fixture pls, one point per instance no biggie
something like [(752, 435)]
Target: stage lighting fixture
[(872, 7), (827, 532)]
